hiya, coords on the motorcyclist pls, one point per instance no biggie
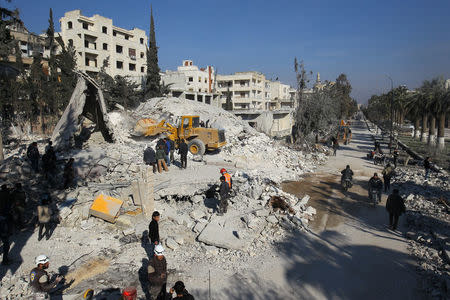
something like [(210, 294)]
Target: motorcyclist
[(347, 173), (376, 184)]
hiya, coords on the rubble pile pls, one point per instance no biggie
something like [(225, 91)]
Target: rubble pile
[(186, 198), (428, 222)]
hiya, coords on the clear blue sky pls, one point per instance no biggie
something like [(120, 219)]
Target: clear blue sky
[(409, 39)]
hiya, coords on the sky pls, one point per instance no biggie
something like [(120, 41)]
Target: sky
[(367, 40)]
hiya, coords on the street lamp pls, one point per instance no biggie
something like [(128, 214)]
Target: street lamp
[(391, 139)]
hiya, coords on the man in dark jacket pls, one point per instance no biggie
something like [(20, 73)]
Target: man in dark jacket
[(167, 151), (346, 173), (387, 175), (172, 151), (153, 230), (224, 192), (183, 151), (395, 206), (182, 293), (427, 166), (33, 155), (160, 158), (39, 279), (157, 271), (150, 157), (376, 184)]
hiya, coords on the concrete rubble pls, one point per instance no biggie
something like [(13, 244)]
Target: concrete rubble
[(189, 227), (428, 223)]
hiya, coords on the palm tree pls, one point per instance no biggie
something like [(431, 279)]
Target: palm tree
[(413, 109), (443, 109)]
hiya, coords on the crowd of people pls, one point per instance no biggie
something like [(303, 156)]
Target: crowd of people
[(163, 155)]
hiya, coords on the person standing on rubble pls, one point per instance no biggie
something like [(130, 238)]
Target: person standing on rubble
[(183, 151), (5, 221), (69, 173), (19, 199), (157, 271), (33, 155), (44, 214), (160, 158), (39, 279), (172, 151), (224, 193), (395, 207), (228, 178), (182, 293), (167, 151), (150, 157), (153, 230)]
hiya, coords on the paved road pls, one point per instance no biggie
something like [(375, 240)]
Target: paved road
[(349, 253)]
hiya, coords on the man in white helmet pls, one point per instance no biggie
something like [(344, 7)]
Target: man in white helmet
[(39, 280), (157, 271)]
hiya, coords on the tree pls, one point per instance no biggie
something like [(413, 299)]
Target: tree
[(36, 82), (300, 115), (67, 76), (123, 92), (152, 87)]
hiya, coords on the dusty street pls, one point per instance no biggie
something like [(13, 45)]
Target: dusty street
[(349, 252)]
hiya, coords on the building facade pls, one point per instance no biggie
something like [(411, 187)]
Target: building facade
[(279, 95), (190, 82), (96, 41), (247, 90)]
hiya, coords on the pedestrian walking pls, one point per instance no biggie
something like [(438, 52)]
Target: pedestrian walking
[(335, 146), (427, 166), (33, 155), (150, 157), (224, 193), (395, 207), (160, 158), (183, 152), (39, 279), (44, 213), (387, 175)]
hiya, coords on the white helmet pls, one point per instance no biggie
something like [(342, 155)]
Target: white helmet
[(159, 250), (42, 259)]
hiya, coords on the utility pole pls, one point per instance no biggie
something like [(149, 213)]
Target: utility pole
[(391, 139)]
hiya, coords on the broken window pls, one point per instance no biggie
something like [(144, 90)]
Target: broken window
[(119, 49), (69, 25), (132, 53), (85, 25), (105, 29), (119, 64), (141, 40), (132, 67)]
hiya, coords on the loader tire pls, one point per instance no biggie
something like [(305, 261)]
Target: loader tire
[(196, 147)]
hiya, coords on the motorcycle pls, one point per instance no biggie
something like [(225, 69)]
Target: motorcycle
[(346, 183), (374, 196), (379, 159)]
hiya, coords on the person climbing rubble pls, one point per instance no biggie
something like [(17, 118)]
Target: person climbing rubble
[(228, 178), (395, 207), (33, 155), (224, 193), (160, 158), (153, 229), (183, 152), (69, 173), (157, 271), (180, 290), (39, 279), (150, 157)]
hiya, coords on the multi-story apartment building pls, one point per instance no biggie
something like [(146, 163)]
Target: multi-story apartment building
[(247, 90), (97, 40), (190, 82), (279, 95)]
